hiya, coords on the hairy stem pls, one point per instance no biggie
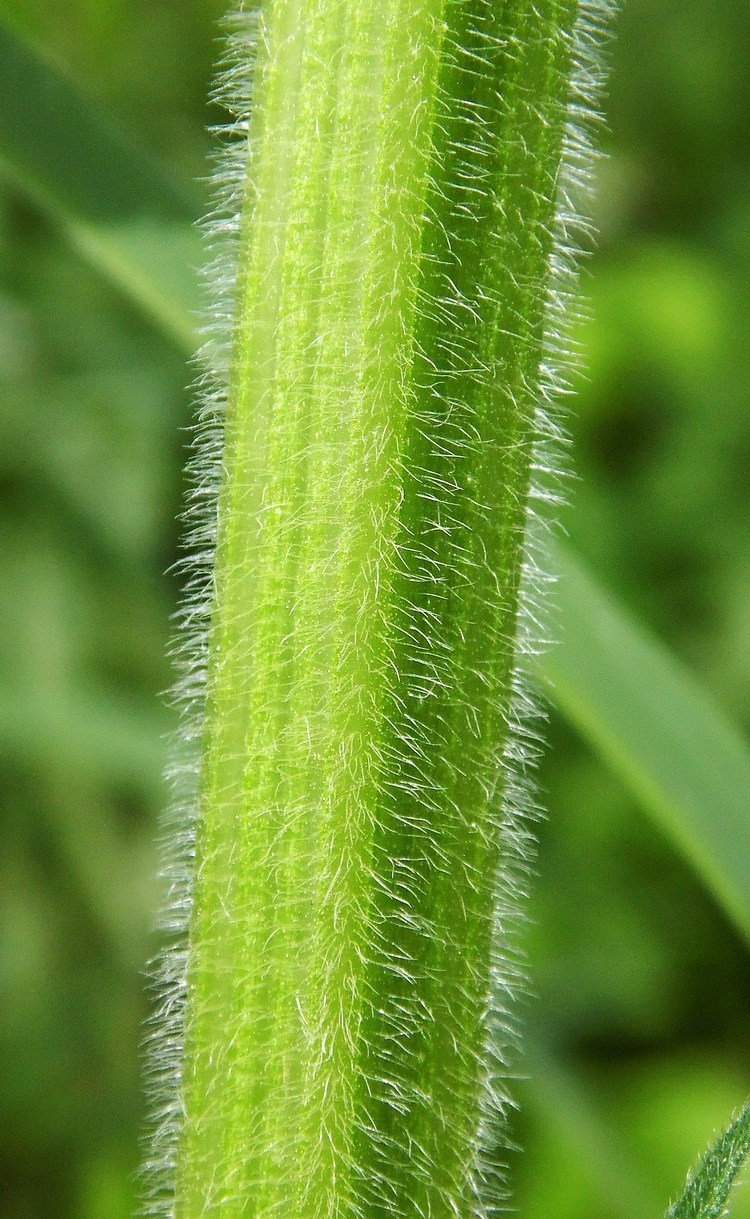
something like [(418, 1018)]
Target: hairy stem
[(359, 863)]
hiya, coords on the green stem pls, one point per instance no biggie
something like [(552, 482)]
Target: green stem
[(710, 1181), (358, 869)]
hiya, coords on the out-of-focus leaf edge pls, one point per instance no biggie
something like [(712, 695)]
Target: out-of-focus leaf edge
[(646, 716), (115, 206)]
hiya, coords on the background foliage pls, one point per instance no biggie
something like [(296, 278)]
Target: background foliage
[(640, 1020)]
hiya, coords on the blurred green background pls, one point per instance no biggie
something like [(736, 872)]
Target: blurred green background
[(639, 1024)]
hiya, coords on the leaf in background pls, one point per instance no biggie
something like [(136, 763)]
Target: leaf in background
[(114, 205), (708, 1184), (648, 718)]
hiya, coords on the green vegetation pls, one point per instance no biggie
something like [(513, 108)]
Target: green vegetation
[(708, 1185), (87, 495)]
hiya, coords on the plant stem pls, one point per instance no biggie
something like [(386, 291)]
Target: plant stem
[(710, 1181), (359, 865)]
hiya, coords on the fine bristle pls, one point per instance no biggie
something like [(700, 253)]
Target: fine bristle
[(572, 240), (164, 1041)]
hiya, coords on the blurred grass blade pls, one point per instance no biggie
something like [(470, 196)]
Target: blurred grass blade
[(708, 1185), (115, 207), (646, 716)]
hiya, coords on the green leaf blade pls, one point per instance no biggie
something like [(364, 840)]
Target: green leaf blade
[(647, 717), (113, 204)]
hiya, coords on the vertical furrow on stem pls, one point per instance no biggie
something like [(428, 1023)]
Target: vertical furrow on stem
[(299, 658), (377, 185), (444, 831), (444, 834), (236, 915)]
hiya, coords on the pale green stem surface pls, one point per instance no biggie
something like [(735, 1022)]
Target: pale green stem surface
[(390, 326)]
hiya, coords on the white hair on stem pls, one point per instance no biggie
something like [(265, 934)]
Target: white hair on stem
[(164, 1042)]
